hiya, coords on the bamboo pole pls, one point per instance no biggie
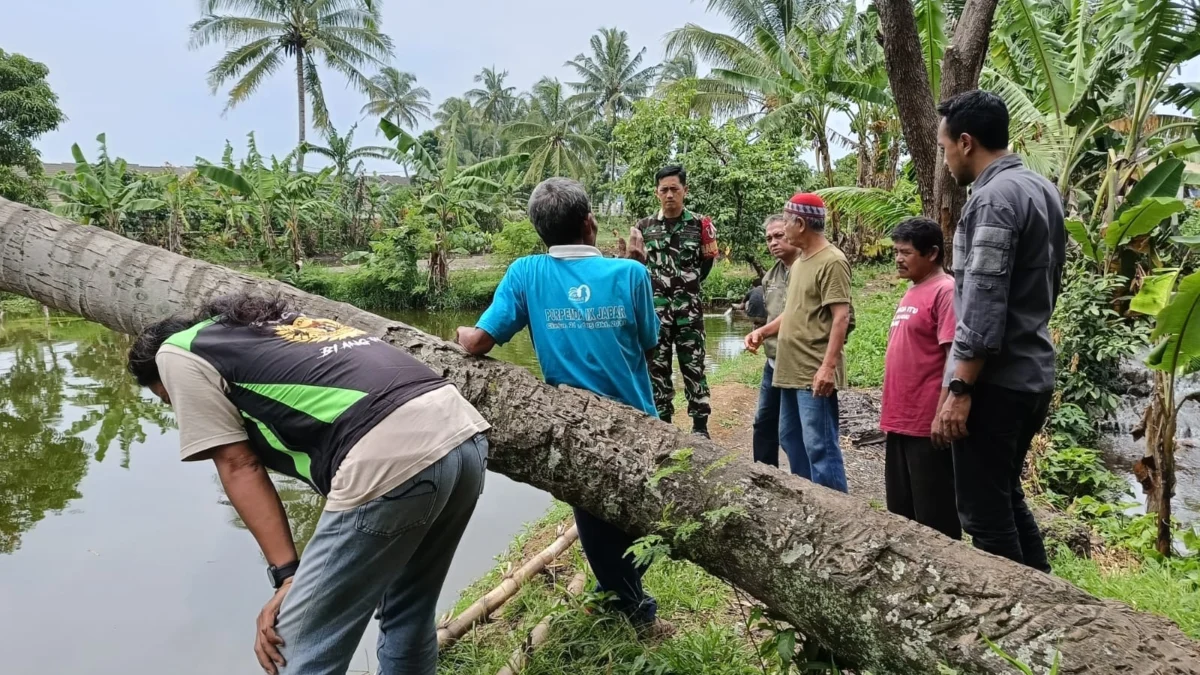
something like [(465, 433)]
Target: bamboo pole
[(520, 656), (482, 608)]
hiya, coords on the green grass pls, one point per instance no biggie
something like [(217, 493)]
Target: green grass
[(1149, 587), (709, 642), (875, 291), (18, 305)]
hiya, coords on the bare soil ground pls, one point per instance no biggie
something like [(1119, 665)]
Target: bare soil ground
[(732, 426)]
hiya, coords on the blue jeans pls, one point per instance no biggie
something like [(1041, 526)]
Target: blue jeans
[(605, 544), (390, 554), (766, 421), (808, 432)]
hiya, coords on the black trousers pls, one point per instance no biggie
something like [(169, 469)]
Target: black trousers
[(919, 479), (605, 544), (987, 473)]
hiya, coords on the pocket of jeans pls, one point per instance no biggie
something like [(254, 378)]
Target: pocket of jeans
[(394, 514)]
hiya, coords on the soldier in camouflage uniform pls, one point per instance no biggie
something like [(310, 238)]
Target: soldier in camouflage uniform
[(678, 247)]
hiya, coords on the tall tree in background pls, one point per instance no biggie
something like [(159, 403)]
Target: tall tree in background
[(264, 34), (28, 109), (555, 134), (784, 67), (911, 67), (394, 95), (342, 153), (612, 78), (495, 101)]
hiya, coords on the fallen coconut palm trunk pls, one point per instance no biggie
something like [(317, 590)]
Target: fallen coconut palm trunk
[(482, 608), (520, 656), (882, 591)]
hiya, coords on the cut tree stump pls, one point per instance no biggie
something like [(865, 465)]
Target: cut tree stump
[(885, 593)]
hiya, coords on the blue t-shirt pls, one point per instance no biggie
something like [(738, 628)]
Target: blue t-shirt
[(591, 318)]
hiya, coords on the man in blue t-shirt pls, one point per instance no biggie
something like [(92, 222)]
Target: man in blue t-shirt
[(592, 320)]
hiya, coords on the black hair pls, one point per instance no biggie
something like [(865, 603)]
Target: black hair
[(668, 171), (980, 114), (558, 209), (924, 235), (242, 309)]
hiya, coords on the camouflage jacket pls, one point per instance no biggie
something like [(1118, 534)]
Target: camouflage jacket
[(677, 266)]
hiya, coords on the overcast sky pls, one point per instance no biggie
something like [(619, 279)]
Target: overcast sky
[(123, 67)]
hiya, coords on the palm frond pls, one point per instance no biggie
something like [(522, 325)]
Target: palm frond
[(879, 209)]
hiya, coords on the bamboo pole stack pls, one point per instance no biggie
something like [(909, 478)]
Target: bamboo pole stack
[(520, 656), (482, 608)]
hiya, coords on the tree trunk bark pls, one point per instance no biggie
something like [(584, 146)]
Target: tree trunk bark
[(909, 80), (884, 592), (300, 107), (1156, 470), (941, 197)]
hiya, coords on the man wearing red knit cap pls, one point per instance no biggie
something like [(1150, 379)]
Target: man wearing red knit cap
[(812, 331)]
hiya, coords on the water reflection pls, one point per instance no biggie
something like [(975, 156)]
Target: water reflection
[(40, 467)]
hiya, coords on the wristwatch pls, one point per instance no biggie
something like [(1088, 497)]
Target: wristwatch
[(278, 575), (960, 387)]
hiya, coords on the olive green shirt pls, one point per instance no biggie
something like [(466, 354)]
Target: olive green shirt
[(816, 283), (775, 285)]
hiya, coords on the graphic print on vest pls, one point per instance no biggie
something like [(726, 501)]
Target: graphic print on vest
[(308, 388)]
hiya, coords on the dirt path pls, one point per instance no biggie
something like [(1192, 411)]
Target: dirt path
[(732, 425)]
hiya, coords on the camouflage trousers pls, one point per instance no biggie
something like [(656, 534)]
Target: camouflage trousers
[(687, 340)]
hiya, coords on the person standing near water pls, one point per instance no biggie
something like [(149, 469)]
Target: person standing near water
[(774, 290), (397, 452), (679, 248), (592, 322)]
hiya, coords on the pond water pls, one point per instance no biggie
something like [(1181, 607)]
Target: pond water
[(116, 558)]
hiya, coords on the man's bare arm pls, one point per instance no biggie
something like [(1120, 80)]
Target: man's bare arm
[(476, 341)]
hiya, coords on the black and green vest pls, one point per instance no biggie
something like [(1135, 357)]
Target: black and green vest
[(308, 389)]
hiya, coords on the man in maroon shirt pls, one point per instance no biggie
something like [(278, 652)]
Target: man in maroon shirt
[(919, 473)]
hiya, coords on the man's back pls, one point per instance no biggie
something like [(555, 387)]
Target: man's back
[(1011, 235), (591, 318)]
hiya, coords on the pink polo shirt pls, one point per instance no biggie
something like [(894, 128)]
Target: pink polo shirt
[(916, 357)]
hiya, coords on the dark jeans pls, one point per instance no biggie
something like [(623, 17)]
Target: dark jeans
[(604, 545), (987, 473), (766, 421), (920, 483)]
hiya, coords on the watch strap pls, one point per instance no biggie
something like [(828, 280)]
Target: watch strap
[(282, 573)]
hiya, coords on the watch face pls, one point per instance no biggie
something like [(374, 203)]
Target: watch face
[(271, 575)]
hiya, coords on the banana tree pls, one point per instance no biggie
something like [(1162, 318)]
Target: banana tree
[(1171, 300), (104, 194), (448, 194)]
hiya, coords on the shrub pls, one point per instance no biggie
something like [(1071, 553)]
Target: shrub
[(1092, 339), (517, 240), (726, 282), (1068, 474)]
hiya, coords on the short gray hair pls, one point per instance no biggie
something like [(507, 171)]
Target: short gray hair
[(772, 219), (558, 208)]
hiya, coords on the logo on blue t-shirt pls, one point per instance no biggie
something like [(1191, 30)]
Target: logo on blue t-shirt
[(580, 294)]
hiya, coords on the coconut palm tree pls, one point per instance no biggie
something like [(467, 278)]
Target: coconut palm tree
[(341, 152), (682, 66), (263, 34), (394, 96), (555, 135), (612, 78), (494, 100), (783, 68)]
